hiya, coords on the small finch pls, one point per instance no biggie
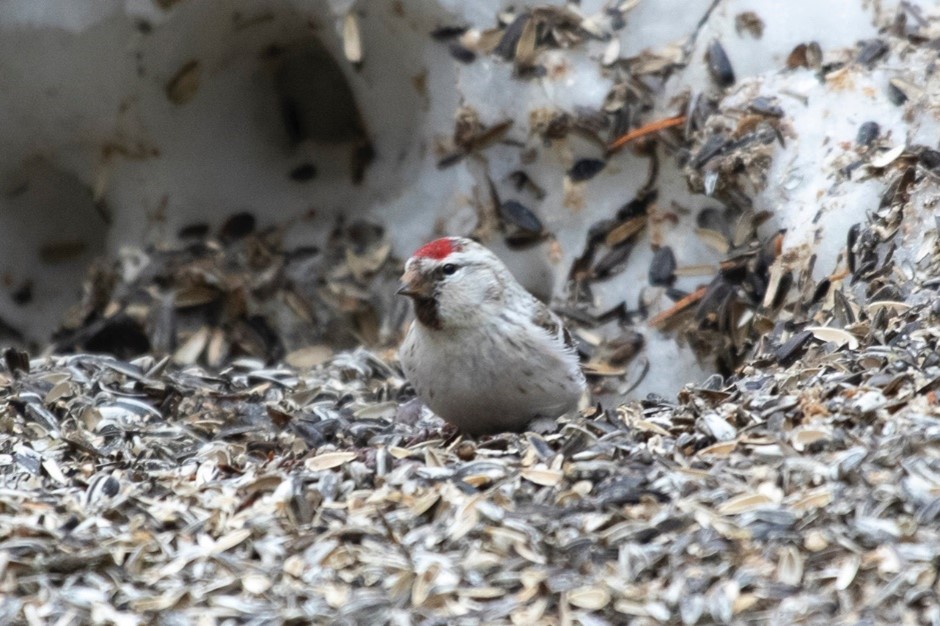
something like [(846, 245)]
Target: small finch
[(484, 353)]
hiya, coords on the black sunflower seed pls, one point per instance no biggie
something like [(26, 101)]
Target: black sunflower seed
[(719, 66), (585, 169), (520, 216)]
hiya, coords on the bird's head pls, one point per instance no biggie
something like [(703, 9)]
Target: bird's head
[(453, 281)]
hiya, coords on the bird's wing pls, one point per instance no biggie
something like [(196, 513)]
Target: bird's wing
[(544, 318)]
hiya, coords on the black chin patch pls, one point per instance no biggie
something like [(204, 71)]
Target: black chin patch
[(426, 312)]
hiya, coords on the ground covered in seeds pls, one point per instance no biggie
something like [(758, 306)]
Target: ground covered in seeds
[(141, 492), (255, 466)]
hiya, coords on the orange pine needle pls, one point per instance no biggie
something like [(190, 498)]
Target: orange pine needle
[(678, 307), (646, 129)]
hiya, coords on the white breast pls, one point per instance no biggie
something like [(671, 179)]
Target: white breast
[(486, 382)]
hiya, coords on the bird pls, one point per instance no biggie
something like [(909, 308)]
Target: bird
[(483, 353)]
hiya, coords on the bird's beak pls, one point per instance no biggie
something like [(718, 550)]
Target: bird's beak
[(414, 285), (405, 290)]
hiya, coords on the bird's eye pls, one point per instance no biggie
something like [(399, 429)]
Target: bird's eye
[(449, 269)]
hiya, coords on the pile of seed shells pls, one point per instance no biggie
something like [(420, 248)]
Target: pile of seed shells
[(234, 462), (216, 297), (805, 487), (134, 491)]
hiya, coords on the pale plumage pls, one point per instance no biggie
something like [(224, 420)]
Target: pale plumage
[(483, 353)]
